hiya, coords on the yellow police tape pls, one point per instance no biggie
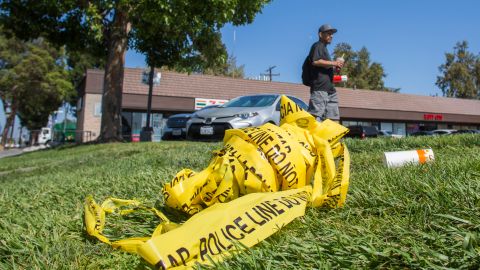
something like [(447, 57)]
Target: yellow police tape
[(279, 169)]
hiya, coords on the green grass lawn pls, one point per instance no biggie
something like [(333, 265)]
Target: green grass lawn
[(411, 217)]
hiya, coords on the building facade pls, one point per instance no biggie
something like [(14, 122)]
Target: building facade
[(177, 93)]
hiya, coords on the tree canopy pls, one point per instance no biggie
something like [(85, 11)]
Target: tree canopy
[(33, 81), (78, 62), (227, 69), (361, 71), (460, 74), (176, 32)]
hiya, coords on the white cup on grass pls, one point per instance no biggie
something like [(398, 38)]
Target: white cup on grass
[(400, 158)]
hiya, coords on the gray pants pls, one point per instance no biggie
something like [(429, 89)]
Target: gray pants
[(323, 105)]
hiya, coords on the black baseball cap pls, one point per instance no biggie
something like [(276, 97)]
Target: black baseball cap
[(327, 27)]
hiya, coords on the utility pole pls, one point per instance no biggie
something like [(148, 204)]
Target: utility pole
[(64, 122), (270, 74), (13, 128), (147, 131)]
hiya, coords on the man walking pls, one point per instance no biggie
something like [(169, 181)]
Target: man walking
[(323, 95)]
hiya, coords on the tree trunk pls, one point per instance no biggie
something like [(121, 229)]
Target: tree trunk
[(33, 137), (111, 129), (9, 121), (20, 138)]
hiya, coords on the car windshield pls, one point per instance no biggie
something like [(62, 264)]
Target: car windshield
[(251, 101)]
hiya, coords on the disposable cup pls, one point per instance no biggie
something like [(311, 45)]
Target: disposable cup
[(401, 158)]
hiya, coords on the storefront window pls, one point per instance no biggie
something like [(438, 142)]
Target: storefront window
[(442, 126), (137, 123), (157, 121), (127, 126), (364, 123), (349, 123), (386, 126), (399, 128), (139, 120)]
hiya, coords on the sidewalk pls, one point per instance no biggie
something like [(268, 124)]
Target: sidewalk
[(10, 153), (19, 151)]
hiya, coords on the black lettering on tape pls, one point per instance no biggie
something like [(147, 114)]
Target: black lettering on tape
[(188, 209), (286, 169), (222, 197), (258, 213), (181, 252), (289, 108), (209, 195), (274, 206), (212, 238), (332, 201), (302, 122), (260, 138), (269, 208), (166, 195), (276, 160), (160, 265), (219, 242), (285, 110), (254, 220), (302, 196), (243, 226), (292, 201), (172, 260), (203, 248), (288, 148), (264, 211), (229, 228), (285, 202), (272, 151), (289, 174), (198, 191), (224, 234)]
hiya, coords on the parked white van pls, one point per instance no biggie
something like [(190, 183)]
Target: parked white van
[(45, 136)]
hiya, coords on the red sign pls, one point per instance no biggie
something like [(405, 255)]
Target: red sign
[(432, 117), (135, 137)]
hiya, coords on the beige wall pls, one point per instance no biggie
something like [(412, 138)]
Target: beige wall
[(88, 123)]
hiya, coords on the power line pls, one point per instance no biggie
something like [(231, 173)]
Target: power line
[(270, 74)]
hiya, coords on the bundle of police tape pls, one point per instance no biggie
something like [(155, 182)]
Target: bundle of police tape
[(278, 170)]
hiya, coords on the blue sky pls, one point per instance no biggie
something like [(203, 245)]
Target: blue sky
[(409, 38)]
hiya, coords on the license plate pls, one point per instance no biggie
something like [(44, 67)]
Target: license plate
[(206, 130), (176, 132)]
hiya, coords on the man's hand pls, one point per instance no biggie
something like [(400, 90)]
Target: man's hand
[(327, 64), (338, 64)]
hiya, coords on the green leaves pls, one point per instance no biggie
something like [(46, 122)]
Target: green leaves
[(180, 34), (94, 20), (460, 74), (185, 35), (361, 72), (33, 78)]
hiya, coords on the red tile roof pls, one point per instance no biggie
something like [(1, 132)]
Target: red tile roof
[(216, 87), (207, 86), (367, 99)]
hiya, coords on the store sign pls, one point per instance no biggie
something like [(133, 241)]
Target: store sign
[(432, 117), (204, 102)]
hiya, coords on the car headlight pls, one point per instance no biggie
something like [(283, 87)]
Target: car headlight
[(246, 115)]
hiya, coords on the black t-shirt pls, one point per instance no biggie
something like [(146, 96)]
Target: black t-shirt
[(323, 77)]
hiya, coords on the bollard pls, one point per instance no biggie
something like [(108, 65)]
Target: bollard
[(400, 158)]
